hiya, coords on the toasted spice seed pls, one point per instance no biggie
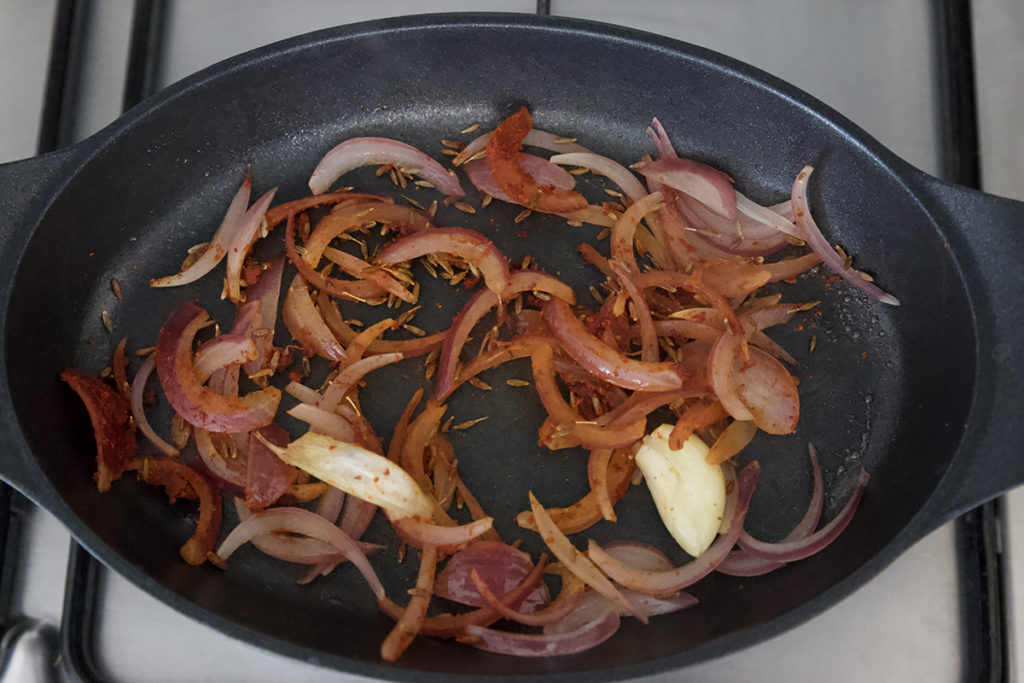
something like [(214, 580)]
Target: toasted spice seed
[(596, 294), (527, 260), (469, 423), (107, 372), (486, 201), (806, 307), (381, 170), (574, 224), (464, 207), (480, 384), (107, 322), (424, 183), (578, 171), (814, 342), (275, 359), (616, 206), (847, 259), (613, 193), (473, 269), (143, 352), (865, 276), (265, 372), (604, 233), (564, 141), (419, 332), (430, 269), (115, 286), (305, 365), (470, 128), (522, 216), (433, 208), (458, 278), (517, 383), (406, 317), (450, 199), (639, 164), (355, 323), (596, 403), (619, 307), (401, 553), (413, 202), (517, 306), (449, 152), (454, 144), (479, 155), (262, 332), (447, 424)]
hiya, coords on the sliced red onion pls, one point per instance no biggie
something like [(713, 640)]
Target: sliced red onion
[(790, 268), (724, 357), (648, 335), (768, 216), (468, 245), (303, 393), (769, 392), (661, 141), (306, 324), (702, 182), (218, 247), (227, 349), (229, 472), (476, 308), (639, 556), (500, 566), (356, 516), (791, 551), (362, 270), (597, 476), (197, 404), (324, 421), (354, 372), (296, 549), (535, 138), (329, 506), (421, 534), (811, 233), (408, 625), (541, 170), (266, 477), (621, 241), (555, 612), (357, 152), (573, 559), (265, 292), (346, 335), (300, 521), (743, 563), (669, 581), (242, 242), (613, 170), (587, 636), (139, 412), (604, 361), (650, 606)]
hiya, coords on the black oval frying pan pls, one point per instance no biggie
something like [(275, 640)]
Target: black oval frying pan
[(925, 396)]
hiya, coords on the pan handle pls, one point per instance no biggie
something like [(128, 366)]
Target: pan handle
[(986, 233), (26, 189)]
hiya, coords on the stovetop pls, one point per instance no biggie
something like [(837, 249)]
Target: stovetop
[(876, 62)]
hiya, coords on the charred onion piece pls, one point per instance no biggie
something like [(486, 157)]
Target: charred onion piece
[(112, 425)]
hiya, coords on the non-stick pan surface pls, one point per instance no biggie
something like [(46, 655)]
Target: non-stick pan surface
[(921, 396)]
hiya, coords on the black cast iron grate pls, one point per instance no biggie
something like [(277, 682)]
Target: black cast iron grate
[(978, 545)]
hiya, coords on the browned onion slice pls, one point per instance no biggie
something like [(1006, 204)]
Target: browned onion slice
[(194, 402)]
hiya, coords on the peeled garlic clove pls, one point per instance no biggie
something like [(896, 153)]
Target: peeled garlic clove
[(689, 493)]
